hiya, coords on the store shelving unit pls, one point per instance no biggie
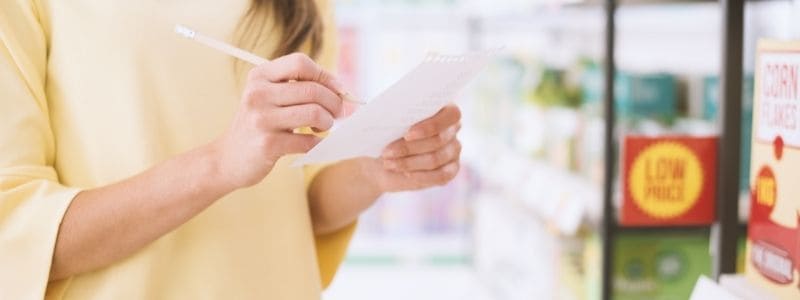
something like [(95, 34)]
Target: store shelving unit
[(608, 226), (726, 229), (477, 29)]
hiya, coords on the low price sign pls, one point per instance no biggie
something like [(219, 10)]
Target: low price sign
[(669, 180)]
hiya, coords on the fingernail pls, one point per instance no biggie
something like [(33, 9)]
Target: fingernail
[(347, 96), (348, 109), (413, 135), (453, 130), (338, 86)]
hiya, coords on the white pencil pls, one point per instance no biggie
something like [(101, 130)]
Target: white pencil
[(237, 52)]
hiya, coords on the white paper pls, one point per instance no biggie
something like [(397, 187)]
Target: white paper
[(707, 289), (418, 95)]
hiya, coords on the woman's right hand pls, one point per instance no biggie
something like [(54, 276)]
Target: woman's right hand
[(279, 96)]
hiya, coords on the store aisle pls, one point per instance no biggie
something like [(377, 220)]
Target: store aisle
[(390, 282), (525, 218)]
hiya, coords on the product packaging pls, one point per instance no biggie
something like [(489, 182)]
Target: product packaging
[(773, 248)]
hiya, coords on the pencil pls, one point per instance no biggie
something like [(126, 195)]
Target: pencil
[(238, 53)]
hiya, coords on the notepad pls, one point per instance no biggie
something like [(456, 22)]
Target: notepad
[(418, 95)]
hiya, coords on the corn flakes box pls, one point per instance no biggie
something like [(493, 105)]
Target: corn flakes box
[(773, 246)]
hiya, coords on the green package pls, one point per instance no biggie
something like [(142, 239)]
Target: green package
[(659, 266)]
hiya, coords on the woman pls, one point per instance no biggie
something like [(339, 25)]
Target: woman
[(136, 164)]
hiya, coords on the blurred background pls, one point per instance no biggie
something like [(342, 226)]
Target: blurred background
[(522, 219)]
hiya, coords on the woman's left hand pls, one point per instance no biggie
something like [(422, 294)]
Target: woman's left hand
[(428, 155)]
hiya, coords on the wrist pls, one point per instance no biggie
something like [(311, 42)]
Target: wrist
[(369, 170), (211, 157)]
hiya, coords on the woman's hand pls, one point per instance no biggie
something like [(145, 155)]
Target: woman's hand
[(427, 156), (287, 93), (108, 223)]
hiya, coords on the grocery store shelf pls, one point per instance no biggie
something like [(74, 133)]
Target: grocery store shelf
[(676, 2), (532, 208), (562, 199), (407, 282), (442, 249), (438, 16), (665, 228), (522, 258)]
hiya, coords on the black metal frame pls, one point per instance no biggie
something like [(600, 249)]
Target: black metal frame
[(726, 229), (609, 218)]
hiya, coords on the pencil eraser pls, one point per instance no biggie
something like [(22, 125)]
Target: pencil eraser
[(184, 31)]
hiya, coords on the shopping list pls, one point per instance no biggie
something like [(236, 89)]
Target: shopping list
[(418, 95)]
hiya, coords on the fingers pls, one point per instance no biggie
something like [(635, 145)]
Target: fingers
[(426, 161), (402, 148), (348, 108), (432, 126), (294, 93), (297, 116), (297, 67), (440, 176), (289, 143)]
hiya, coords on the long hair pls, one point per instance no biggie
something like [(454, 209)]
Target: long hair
[(297, 22)]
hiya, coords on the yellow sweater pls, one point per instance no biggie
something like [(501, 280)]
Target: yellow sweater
[(92, 92)]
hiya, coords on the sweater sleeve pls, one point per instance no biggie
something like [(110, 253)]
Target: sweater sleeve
[(32, 202)]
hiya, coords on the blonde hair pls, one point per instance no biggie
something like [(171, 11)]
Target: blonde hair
[(298, 22)]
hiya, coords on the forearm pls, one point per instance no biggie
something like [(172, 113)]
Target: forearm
[(340, 192), (108, 223)]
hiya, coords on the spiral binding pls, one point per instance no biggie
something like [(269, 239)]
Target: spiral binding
[(433, 57)]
